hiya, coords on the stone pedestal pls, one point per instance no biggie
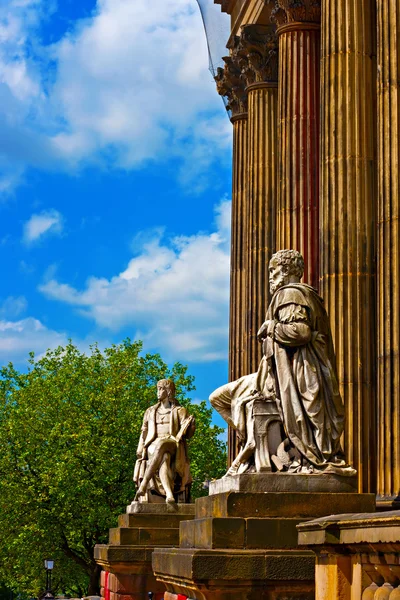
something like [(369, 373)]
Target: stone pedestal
[(126, 559), (243, 542)]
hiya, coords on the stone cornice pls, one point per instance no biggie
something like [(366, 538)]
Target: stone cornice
[(258, 46), (227, 6), (300, 11)]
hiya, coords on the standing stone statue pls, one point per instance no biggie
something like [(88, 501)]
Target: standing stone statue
[(162, 470), (289, 416)]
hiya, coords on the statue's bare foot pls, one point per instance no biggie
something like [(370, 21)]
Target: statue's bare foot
[(233, 469), (139, 494)]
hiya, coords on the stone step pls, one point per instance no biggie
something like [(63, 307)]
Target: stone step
[(299, 505), (124, 558), (154, 520), (183, 566), (144, 536), (239, 533)]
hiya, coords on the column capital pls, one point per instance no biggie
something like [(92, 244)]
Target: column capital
[(296, 11), (231, 82), (258, 45)]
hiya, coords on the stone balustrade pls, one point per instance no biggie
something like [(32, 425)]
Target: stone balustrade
[(358, 555)]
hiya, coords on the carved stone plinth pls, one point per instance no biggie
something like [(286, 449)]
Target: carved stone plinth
[(126, 559), (284, 482), (174, 512), (243, 545)]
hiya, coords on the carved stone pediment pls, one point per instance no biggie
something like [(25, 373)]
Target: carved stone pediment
[(291, 11)]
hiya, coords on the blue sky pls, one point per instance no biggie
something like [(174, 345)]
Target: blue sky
[(115, 182)]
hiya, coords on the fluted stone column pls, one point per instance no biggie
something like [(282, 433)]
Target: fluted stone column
[(348, 220), (259, 47), (388, 250), (238, 300), (231, 84), (298, 116)]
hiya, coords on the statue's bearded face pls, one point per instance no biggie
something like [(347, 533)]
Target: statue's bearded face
[(277, 276)]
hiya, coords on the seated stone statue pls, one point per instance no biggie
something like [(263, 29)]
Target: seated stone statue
[(162, 471), (296, 382)]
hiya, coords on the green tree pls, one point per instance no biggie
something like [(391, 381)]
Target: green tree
[(69, 429), (5, 594)]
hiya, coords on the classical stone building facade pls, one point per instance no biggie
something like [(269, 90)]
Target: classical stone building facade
[(312, 86), (312, 90)]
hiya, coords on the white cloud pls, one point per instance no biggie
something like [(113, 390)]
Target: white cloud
[(18, 338), (46, 222), (174, 294), (13, 306), (19, 70), (24, 115), (127, 86), (132, 80), (9, 179)]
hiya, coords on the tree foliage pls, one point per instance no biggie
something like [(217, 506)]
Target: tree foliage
[(69, 429)]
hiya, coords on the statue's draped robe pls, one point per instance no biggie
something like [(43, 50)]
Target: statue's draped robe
[(298, 371)]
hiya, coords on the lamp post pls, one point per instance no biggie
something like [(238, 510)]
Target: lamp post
[(48, 565)]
